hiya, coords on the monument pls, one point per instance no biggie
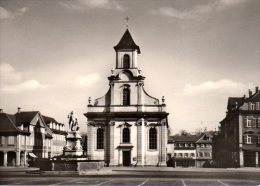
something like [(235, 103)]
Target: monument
[(72, 158), (73, 146)]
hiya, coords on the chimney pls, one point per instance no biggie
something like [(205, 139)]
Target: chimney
[(256, 89), (1, 111), (18, 109), (250, 92)]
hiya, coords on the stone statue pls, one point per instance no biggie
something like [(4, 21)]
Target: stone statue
[(73, 122)]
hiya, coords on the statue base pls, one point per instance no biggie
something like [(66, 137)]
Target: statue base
[(73, 146)]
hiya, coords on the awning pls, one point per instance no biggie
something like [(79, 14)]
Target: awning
[(32, 155)]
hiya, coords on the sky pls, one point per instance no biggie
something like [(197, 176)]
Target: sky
[(55, 54)]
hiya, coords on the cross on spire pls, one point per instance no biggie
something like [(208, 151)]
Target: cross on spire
[(127, 19)]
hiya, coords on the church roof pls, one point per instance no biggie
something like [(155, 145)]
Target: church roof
[(127, 42)]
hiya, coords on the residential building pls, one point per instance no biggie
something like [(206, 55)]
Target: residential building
[(58, 136), (238, 141), (184, 153), (127, 126), (190, 150), (204, 150), (23, 137)]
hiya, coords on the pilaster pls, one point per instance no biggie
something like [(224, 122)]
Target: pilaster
[(256, 159), (112, 93), (163, 143), (140, 97), (241, 158), (140, 142), (18, 161), (111, 143), (5, 159), (25, 158), (90, 141)]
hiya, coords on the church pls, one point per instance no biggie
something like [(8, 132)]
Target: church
[(127, 126)]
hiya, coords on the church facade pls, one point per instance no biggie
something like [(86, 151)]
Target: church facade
[(127, 126)]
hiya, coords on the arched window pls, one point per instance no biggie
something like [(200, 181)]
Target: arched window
[(126, 61), (153, 138), (126, 135), (100, 138), (126, 96)]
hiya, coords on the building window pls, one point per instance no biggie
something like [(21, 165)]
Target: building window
[(192, 155), (248, 139), (257, 105), (126, 61), (100, 138), (153, 138), (186, 155), (248, 123), (2, 140), (186, 145), (200, 154), (126, 96), (126, 135), (180, 155), (251, 106), (10, 140)]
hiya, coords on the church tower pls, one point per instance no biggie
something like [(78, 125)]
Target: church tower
[(127, 126)]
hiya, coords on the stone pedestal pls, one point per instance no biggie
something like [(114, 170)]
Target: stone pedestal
[(73, 146)]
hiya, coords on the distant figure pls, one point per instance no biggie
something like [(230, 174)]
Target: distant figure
[(73, 122)]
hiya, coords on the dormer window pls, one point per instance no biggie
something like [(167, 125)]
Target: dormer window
[(126, 61), (252, 106)]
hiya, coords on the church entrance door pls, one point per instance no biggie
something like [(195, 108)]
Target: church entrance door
[(126, 158)]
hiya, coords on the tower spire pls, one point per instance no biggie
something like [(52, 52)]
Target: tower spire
[(127, 19)]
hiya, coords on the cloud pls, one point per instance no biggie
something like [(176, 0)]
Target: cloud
[(92, 4), (197, 10), (23, 86), (11, 80), (8, 74), (6, 14), (88, 80), (223, 86)]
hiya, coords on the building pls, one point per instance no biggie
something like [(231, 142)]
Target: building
[(127, 126), (184, 154), (190, 150), (238, 141), (204, 150), (23, 137), (58, 136)]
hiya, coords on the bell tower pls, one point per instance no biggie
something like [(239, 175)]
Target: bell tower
[(126, 52)]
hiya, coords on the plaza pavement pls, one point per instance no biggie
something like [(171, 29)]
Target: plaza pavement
[(133, 176)]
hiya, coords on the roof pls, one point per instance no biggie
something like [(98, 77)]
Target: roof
[(7, 124), (206, 138), (185, 138), (235, 101), (25, 117), (127, 42), (49, 119)]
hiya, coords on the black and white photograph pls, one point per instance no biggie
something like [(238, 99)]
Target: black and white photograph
[(130, 92)]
